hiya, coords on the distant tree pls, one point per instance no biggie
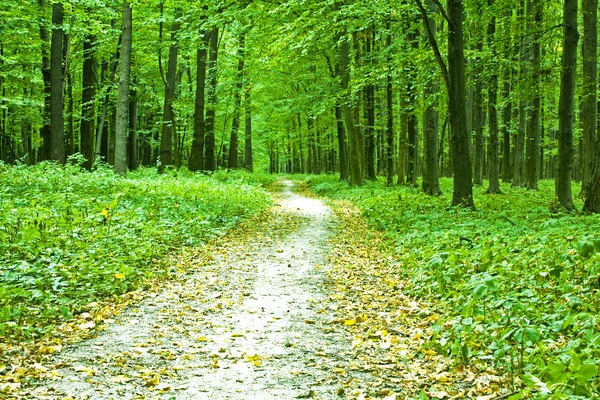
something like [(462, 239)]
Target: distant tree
[(57, 122), (122, 127), (566, 105)]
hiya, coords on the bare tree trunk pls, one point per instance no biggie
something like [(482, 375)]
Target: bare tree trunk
[(232, 161), (132, 142), (209, 150), (493, 160), (355, 140), (168, 123), (248, 162), (534, 15), (565, 105), (123, 101), (463, 183), (88, 97), (196, 162), (589, 106), (389, 155), (45, 130), (57, 122)]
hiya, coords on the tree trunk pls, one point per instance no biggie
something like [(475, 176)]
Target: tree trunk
[(248, 163), (534, 19), (478, 117), (370, 112), (132, 143), (232, 162), (168, 122), (589, 106), (389, 154), (341, 137), (57, 122), (101, 131), (411, 95), (402, 142), (463, 184), (565, 105), (493, 160), (355, 140), (196, 162), (88, 97), (123, 101), (45, 130), (519, 153), (209, 156), (507, 110)]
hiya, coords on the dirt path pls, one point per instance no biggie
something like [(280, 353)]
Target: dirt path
[(253, 324)]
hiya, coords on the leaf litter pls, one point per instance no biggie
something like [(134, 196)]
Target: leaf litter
[(298, 303)]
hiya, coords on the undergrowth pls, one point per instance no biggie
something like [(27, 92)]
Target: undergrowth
[(68, 238), (516, 285)]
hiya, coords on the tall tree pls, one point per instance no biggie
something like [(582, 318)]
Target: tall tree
[(45, 130), (170, 82), (431, 184), (248, 159), (57, 122), (122, 114), (355, 140), (454, 76), (232, 162), (88, 97), (590, 85), (493, 160), (196, 161), (565, 105), (209, 143), (519, 153), (534, 19), (390, 115)]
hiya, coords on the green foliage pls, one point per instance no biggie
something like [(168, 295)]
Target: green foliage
[(517, 287), (68, 238)]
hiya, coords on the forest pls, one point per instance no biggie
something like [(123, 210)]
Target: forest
[(435, 164)]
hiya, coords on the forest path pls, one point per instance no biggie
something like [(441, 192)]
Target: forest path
[(254, 323)]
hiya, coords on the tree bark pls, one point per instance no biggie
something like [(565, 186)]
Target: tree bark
[(132, 143), (493, 160), (589, 106), (122, 130), (519, 153), (57, 122), (209, 151), (565, 105), (88, 97), (232, 161), (370, 112), (463, 183), (389, 154), (196, 162), (45, 130), (248, 162), (534, 19), (168, 122), (355, 140)]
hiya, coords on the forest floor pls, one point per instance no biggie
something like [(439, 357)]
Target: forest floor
[(289, 305)]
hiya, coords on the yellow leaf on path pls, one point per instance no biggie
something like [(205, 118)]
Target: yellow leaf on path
[(86, 370), (119, 276), (88, 325), (120, 379), (152, 381), (255, 359), (350, 322)]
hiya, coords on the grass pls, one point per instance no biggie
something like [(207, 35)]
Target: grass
[(68, 238), (516, 285)]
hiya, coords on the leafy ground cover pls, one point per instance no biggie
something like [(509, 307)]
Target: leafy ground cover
[(511, 289), (70, 238)]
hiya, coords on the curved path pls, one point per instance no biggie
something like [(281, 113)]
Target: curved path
[(253, 324)]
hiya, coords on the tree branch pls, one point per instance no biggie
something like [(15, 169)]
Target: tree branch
[(433, 42), (442, 11)]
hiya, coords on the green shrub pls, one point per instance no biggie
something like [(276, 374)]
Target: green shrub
[(68, 237), (518, 286)]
